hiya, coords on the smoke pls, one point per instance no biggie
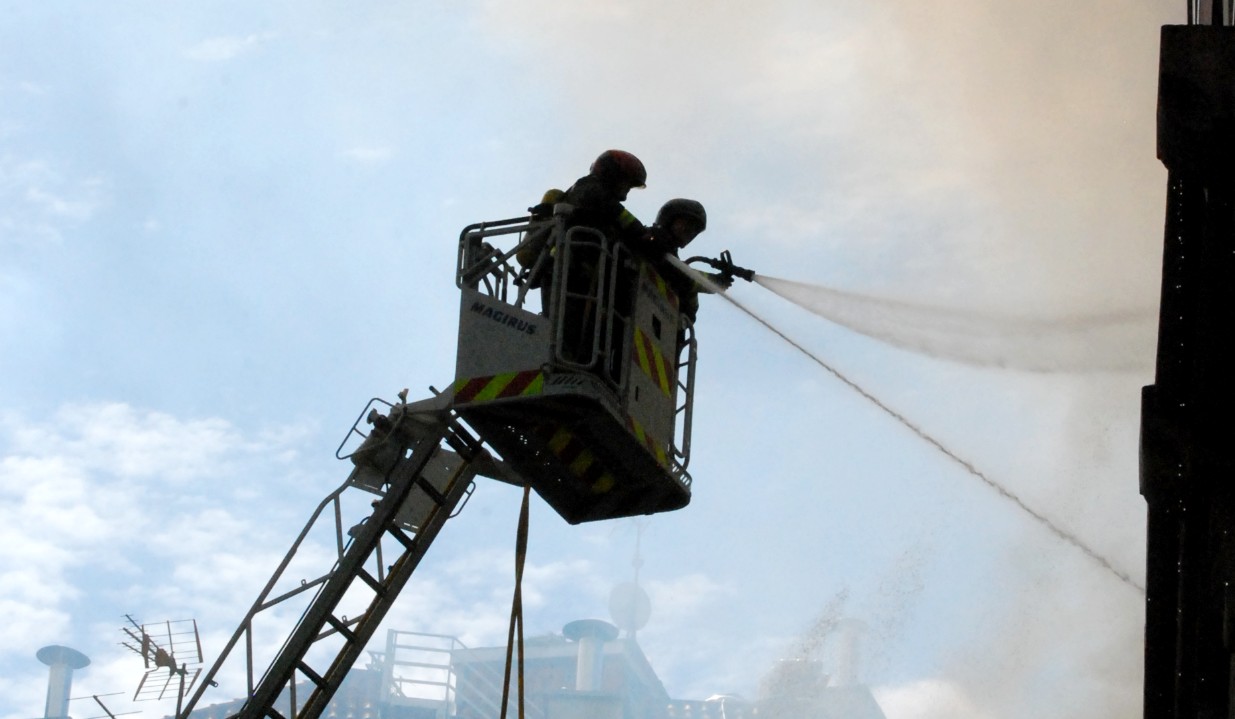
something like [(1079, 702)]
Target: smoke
[(994, 158), (1121, 341)]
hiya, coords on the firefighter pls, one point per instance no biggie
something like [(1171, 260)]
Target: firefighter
[(596, 199), (678, 223), (536, 241), (598, 196)]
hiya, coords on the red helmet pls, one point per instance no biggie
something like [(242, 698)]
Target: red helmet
[(619, 165)]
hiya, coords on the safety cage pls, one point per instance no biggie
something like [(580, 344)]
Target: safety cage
[(576, 364)]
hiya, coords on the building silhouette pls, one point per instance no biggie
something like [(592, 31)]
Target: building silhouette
[(586, 672)]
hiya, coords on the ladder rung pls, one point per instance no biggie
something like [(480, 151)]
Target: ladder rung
[(340, 627), (438, 498), (312, 675), (376, 586), (408, 543)]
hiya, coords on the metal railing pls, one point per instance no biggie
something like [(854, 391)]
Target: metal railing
[(419, 668)]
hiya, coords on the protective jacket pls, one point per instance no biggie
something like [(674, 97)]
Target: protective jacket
[(657, 242)]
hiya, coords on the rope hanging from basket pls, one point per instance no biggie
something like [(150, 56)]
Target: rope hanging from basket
[(516, 608)]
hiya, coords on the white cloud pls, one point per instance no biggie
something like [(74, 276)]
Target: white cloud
[(77, 210), (109, 509), (368, 155), (121, 440), (38, 204), (226, 47), (106, 480)]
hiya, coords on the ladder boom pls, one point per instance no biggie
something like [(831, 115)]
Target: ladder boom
[(420, 461)]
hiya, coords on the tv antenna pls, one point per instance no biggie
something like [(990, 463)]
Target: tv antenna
[(108, 714), (174, 646)]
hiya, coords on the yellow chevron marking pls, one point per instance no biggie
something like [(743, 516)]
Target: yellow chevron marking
[(582, 462), (560, 440), (656, 448), (604, 484), (652, 361)]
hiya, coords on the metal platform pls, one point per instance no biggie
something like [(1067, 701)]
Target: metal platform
[(584, 388)]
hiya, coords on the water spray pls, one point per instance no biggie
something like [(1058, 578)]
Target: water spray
[(1004, 492), (1119, 341)]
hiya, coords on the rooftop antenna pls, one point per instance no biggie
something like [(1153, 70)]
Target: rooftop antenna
[(98, 699), (174, 646), (629, 605), (61, 662)]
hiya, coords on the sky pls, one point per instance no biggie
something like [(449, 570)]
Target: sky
[(225, 227)]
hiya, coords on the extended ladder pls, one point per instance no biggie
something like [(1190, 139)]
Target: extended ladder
[(420, 461)]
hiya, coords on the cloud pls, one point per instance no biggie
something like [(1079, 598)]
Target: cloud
[(227, 47), (78, 210), (108, 509), (126, 442), (38, 204), (368, 155)]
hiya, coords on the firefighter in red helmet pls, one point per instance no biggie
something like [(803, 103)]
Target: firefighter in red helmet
[(596, 202), (596, 199), (597, 196)]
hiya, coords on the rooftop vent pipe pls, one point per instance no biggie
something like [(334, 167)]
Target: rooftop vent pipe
[(591, 634), (62, 661)]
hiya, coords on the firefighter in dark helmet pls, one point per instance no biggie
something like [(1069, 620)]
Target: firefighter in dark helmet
[(679, 222)]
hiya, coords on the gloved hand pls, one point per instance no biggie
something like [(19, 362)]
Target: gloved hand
[(657, 241), (722, 281)]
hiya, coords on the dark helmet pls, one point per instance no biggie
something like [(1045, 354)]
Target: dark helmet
[(615, 165), (674, 209)]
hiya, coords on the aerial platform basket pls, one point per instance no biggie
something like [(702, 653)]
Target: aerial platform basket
[(576, 365)]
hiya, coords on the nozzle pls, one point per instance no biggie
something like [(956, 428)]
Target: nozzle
[(724, 265)]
